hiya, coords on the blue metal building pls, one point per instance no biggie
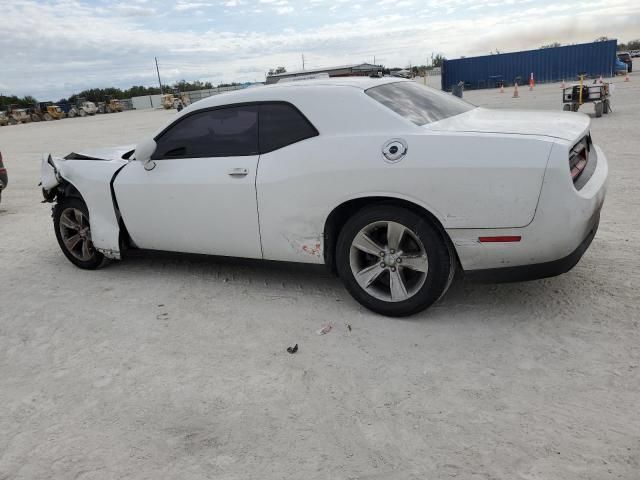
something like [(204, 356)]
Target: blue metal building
[(547, 64)]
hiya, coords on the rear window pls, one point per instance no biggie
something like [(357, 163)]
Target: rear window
[(624, 56), (280, 125), (418, 103)]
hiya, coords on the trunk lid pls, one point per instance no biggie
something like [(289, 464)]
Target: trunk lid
[(563, 125)]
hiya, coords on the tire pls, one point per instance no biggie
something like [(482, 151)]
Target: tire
[(566, 107), (73, 211), (71, 114), (35, 118), (48, 117), (599, 109), (424, 248), (607, 107), (82, 113)]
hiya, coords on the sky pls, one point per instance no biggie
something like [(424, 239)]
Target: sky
[(53, 48)]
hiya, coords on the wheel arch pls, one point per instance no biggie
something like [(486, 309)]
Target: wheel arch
[(339, 216)]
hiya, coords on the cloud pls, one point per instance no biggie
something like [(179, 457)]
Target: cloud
[(284, 10), (133, 10), (184, 5), (60, 55)]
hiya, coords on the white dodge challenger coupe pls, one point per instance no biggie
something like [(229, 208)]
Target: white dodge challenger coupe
[(392, 185)]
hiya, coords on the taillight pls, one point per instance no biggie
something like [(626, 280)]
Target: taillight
[(579, 157)]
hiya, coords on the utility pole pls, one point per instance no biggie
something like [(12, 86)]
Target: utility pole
[(158, 70), (303, 61), (374, 59)]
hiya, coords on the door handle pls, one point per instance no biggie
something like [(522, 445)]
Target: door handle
[(238, 172)]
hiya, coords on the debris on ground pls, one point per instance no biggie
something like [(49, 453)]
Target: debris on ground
[(349, 326), (293, 349), (325, 329)]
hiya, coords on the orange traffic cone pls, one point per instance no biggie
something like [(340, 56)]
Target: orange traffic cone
[(531, 82), (515, 91), (626, 77)]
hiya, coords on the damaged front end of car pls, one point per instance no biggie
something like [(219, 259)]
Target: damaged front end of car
[(50, 179), (88, 178)]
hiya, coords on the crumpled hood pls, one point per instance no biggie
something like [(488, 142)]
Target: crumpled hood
[(108, 153), (564, 125)]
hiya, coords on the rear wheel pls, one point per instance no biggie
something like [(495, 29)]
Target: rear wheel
[(566, 107), (393, 261), (73, 231), (82, 113)]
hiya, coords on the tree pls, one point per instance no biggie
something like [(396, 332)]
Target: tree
[(438, 60), (632, 45), (276, 71), (22, 102), (551, 45)]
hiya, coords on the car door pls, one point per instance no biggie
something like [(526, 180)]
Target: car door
[(200, 195)]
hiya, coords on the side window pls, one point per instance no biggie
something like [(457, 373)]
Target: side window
[(225, 132), (281, 125)]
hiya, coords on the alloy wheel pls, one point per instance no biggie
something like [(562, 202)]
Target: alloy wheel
[(388, 261), (76, 233)]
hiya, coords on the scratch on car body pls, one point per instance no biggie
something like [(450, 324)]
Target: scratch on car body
[(307, 245)]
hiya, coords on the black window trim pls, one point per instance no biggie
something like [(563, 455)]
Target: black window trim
[(235, 105)]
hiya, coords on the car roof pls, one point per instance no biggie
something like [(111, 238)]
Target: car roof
[(284, 89), (292, 91), (362, 83)]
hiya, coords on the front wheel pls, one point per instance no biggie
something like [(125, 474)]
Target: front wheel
[(73, 231), (393, 261)]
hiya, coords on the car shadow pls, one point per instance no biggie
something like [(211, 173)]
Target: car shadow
[(272, 278)]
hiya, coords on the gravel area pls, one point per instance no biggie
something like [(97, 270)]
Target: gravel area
[(175, 367)]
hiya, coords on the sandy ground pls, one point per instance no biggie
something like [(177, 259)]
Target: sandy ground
[(168, 367)]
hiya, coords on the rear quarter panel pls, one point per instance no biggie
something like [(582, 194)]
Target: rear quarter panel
[(464, 180)]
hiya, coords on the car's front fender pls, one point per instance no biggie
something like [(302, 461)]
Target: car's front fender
[(92, 179)]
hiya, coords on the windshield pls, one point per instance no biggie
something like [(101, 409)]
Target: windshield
[(417, 103)]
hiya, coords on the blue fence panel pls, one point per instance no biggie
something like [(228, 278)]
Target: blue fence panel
[(547, 64)]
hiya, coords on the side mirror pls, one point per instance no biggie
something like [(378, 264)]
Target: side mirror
[(143, 153)]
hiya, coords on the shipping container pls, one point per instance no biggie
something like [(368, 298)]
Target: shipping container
[(547, 64)]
